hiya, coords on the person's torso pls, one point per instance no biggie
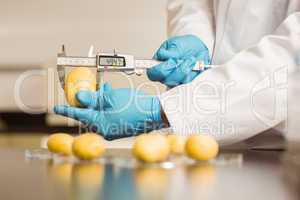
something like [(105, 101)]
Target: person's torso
[(240, 24)]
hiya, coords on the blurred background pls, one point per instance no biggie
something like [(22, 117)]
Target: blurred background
[(31, 33)]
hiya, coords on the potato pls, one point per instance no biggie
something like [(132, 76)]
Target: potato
[(78, 79), (176, 143), (60, 143), (88, 146), (151, 148), (201, 147)]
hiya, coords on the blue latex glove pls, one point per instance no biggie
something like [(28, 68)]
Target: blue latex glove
[(180, 54), (115, 113)]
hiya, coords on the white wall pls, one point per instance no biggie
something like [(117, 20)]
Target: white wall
[(32, 31)]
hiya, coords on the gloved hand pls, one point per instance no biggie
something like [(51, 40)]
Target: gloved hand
[(180, 53), (116, 113)]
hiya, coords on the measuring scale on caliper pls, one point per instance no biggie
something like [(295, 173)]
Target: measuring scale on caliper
[(110, 62)]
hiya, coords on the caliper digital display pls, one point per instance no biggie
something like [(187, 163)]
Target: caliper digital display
[(113, 61)]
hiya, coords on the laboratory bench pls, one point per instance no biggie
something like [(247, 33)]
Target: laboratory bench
[(234, 174)]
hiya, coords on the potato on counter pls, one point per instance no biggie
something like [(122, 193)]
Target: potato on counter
[(151, 148), (88, 146), (176, 143), (201, 147), (80, 78), (60, 143)]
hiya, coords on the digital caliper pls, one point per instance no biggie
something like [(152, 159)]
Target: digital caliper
[(110, 62)]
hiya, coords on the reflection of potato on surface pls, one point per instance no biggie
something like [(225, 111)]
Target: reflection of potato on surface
[(80, 78), (203, 174), (88, 146), (61, 173), (176, 143), (151, 148), (60, 143), (88, 174), (151, 179), (201, 147)]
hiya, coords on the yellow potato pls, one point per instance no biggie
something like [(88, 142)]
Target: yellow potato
[(201, 147), (176, 143), (60, 143), (151, 148), (88, 146), (78, 79)]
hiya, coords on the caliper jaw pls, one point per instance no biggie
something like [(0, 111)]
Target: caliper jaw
[(60, 68)]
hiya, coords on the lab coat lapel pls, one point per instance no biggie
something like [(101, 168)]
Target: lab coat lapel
[(221, 8)]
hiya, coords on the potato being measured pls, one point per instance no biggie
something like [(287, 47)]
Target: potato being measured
[(88, 146), (151, 148), (60, 143), (201, 147), (78, 79)]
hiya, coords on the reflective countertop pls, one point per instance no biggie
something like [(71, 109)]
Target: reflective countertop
[(244, 174)]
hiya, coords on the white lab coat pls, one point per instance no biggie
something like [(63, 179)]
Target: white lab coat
[(256, 42)]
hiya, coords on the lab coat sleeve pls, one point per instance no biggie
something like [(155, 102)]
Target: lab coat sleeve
[(243, 97), (192, 17)]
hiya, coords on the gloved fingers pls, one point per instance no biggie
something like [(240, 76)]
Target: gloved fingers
[(86, 116), (165, 54), (166, 51), (161, 71), (204, 57), (87, 98), (94, 99), (101, 95), (106, 87), (189, 77), (162, 46), (178, 74)]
